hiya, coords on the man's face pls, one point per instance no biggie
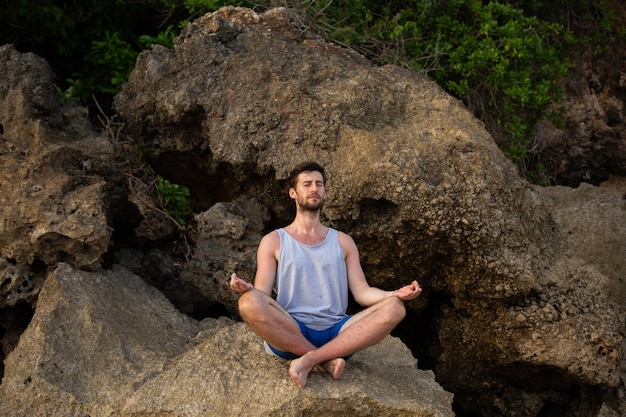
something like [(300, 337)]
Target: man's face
[(310, 193)]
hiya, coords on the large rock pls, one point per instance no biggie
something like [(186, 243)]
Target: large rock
[(228, 235), (58, 179), (413, 177), (107, 344), (592, 220)]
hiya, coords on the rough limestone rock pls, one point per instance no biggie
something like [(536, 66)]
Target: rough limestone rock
[(413, 177), (228, 235), (57, 179), (107, 344), (592, 220)]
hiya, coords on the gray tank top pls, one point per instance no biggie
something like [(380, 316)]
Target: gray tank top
[(312, 280)]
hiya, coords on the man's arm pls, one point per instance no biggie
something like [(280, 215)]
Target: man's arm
[(363, 293), (267, 264)]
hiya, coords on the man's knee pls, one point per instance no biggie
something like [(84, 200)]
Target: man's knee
[(395, 308), (248, 303)]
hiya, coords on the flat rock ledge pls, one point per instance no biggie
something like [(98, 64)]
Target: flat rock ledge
[(105, 343)]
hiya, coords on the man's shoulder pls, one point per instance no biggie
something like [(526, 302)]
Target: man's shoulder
[(271, 236), (345, 240), (272, 239), (342, 234), (270, 244)]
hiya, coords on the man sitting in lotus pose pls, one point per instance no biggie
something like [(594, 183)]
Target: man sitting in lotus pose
[(312, 267)]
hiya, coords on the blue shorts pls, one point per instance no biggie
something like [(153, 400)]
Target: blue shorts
[(316, 337)]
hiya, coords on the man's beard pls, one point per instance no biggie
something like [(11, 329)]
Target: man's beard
[(311, 205)]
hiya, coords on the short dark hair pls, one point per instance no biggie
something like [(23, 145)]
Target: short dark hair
[(307, 166)]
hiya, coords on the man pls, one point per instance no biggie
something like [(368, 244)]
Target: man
[(311, 267)]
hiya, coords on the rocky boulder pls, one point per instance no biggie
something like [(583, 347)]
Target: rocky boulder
[(228, 235), (592, 221), (413, 177), (58, 180), (107, 344)]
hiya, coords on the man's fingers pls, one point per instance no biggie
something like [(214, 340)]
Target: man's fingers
[(235, 282), (239, 285), (413, 290)]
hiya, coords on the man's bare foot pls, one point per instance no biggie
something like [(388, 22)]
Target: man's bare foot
[(335, 367), (299, 372)]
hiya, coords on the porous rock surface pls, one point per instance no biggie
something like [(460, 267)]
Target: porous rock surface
[(592, 221), (413, 177), (108, 344), (58, 179), (228, 235)]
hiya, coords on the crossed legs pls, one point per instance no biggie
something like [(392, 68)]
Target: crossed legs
[(274, 325)]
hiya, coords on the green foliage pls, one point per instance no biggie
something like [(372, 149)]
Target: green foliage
[(504, 65), (592, 22), (174, 198), (165, 38), (504, 59), (107, 66)]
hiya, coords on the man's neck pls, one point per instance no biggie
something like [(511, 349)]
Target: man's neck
[(307, 228)]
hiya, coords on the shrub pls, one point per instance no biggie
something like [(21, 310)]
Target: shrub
[(174, 198)]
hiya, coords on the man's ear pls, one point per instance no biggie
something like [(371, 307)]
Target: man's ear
[(292, 193)]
